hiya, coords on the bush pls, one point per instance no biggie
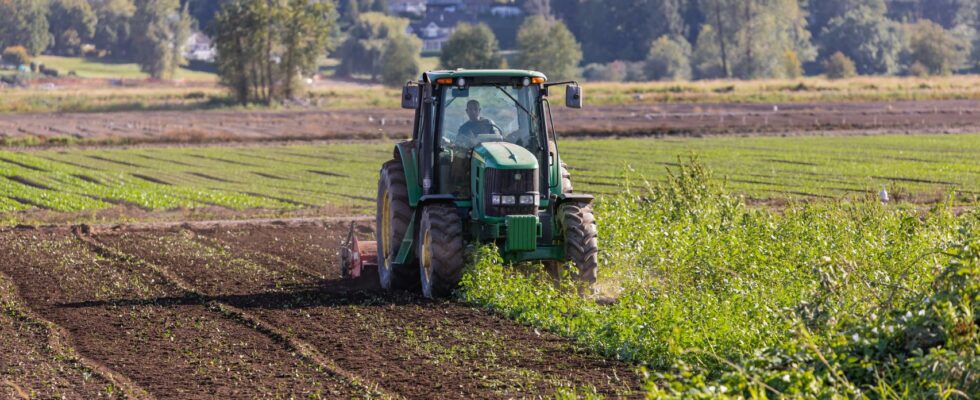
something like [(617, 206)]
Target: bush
[(669, 60), (16, 55), (612, 72), (839, 66)]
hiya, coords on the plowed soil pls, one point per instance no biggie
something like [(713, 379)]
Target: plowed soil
[(253, 310), (647, 120)]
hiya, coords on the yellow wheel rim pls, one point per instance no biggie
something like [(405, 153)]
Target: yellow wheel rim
[(386, 227), (427, 255)]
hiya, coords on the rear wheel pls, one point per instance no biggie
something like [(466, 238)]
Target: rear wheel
[(581, 242), (392, 220), (440, 250), (566, 179)]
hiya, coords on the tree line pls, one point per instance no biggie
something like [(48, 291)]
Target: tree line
[(264, 47)]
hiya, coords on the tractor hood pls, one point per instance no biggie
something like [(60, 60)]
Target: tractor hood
[(504, 155)]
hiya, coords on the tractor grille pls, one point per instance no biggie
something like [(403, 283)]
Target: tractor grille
[(510, 182)]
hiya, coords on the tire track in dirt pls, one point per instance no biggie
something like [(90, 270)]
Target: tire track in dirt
[(414, 348), (129, 318), (305, 350), (50, 343)]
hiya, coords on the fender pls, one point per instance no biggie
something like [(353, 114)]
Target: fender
[(573, 197), (405, 152)]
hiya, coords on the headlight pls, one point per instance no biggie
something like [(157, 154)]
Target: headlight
[(495, 199), (527, 199), (508, 200)]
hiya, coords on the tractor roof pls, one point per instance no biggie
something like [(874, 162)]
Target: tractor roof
[(483, 73)]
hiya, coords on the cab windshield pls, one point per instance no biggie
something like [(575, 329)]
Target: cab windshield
[(479, 114)]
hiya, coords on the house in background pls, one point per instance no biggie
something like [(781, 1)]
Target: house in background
[(199, 48), (442, 17), (408, 8)]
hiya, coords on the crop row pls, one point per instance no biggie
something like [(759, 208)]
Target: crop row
[(344, 175)]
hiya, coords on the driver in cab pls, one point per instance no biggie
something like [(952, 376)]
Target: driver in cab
[(477, 125)]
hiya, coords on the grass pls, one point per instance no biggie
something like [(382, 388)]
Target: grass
[(719, 300), (105, 69), (343, 176), (204, 94)]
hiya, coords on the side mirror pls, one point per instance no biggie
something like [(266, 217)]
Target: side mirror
[(410, 97), (573, 96)]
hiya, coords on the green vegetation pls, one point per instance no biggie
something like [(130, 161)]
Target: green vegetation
[(722, 300), (264, 47), (202, 96), (471, 47), (916, 168), (106, 69)]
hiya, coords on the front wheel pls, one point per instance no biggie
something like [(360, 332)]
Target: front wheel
[(581, 242), (440, 250)]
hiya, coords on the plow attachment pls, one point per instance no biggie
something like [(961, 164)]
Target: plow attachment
[(355, 255)]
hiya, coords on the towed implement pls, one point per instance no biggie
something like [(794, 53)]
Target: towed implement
[(482, 167)]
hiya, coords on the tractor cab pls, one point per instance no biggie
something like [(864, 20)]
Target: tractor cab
[(482, 167)]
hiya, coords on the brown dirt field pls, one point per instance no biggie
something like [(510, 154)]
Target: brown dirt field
[(648, 120), (240, 309)]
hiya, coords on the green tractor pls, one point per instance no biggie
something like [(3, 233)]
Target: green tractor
[(482, 167)]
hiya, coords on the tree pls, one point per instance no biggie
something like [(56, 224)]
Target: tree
[(400, 61), (264, 46), (936, 49), (821, 12), (546, 45), (471, 46), (24, 23), (366, 40), (754, 36), (114, 30), (16, 55), (866, 36), (620, 29), (305, 36), (538, 8), (839, 66), (71, 23), (158, 27), (707, 59), (669, 59)]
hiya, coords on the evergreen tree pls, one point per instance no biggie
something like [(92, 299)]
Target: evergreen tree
[(546, 45), (471, 46)]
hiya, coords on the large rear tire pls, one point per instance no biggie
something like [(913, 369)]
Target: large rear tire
[(392, 218), (566, 179), (440, 250), (581, 242)]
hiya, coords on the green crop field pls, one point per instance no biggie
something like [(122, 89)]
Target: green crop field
[(920, 168), (720, 300)]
